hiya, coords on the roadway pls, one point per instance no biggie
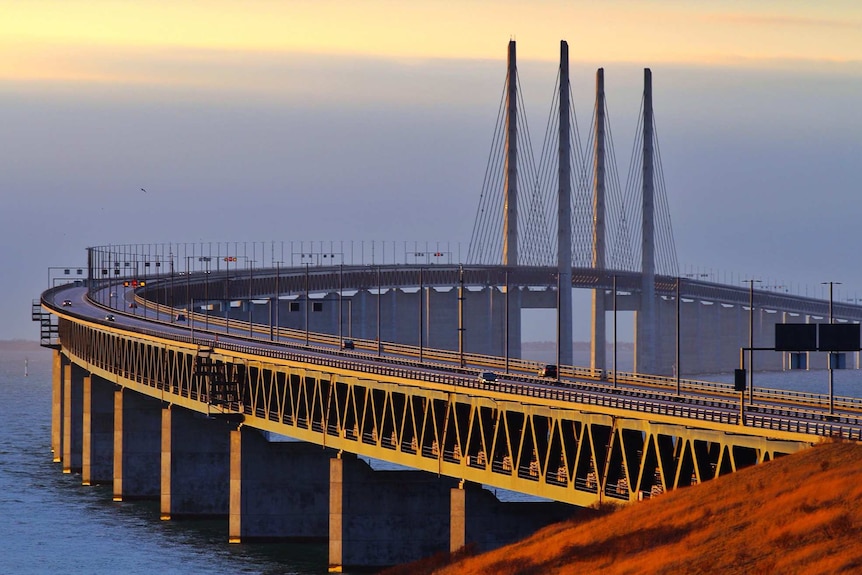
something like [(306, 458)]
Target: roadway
[(698, 400)]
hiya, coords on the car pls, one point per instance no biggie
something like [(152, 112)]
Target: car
[(180, 317), (347, 344), (109, 317), (549, 370), (487, 377), (133, 305), (67, 302)]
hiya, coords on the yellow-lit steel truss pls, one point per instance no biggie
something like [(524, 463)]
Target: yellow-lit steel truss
[(538, 443)]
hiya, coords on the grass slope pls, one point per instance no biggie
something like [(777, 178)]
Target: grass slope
[(797, 514)]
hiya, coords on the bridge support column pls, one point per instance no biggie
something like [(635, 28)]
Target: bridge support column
[(195, 465), (478, 518), (60, 372), (137, 446), (380, 518), (457, 518), (73, 403), (277, 489), (97, 457)]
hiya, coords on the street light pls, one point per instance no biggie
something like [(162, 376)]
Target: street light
[(615, 330), (751, 283), (829, 353), (306, 303), (250, 264), (506, 323), (461, 314), (678, 340), (206, 260), (277, 294), (421, 314), (379, 297)]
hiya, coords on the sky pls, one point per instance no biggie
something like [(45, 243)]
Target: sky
[(265, 120)]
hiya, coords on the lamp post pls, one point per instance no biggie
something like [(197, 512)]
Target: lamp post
[(277, 294), (829, 353), (421, 314), (250, 264), (340, 303), (188, 294), (379, 297), (751, 283), (506, 322), (461, 314), (306, 303), (559, 328), (615, 330), (227, 290), (678, 340), (206, 260)]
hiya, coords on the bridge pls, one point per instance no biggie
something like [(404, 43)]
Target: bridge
[(178, 374)]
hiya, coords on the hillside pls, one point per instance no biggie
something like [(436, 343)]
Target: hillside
[(797, 514)]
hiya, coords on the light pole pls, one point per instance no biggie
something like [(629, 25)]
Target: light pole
[(506, 326), (615, 330), (421, 314), (306, 303), (341, 304), (188, 294), (461, 314), (250, 264), (277, 294), (206, 260), (559, 328), (678, 340), (227, 260), (379, 297), (751, 283), (829, 353)]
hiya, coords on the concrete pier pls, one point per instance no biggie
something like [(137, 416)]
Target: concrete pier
[(97, 459), (380, 518), (278, 490), (137, 446), (59, 370), (195, 465), (73, 405)]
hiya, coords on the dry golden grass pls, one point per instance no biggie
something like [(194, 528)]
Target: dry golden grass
[(797, 514)]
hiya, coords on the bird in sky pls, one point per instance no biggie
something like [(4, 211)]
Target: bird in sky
[(143, 190)]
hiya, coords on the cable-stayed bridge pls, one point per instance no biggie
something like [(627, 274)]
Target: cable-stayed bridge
[(176, 363)]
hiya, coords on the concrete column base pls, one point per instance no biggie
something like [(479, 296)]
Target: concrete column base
[(382, 518), (98, 432), (278, 490), (137, 446), (195, 465)]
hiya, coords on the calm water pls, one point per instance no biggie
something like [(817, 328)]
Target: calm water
[(52, 524), (49, 523)]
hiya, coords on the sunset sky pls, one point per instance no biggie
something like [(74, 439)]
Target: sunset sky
[(333, 120)]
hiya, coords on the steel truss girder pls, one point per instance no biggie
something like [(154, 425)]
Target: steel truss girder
[(567, 452)]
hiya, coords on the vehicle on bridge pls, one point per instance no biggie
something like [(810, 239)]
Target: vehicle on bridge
[(109, 317), (488, 377), (67, 302), (347, 344), (549, 370), (180, 317)]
